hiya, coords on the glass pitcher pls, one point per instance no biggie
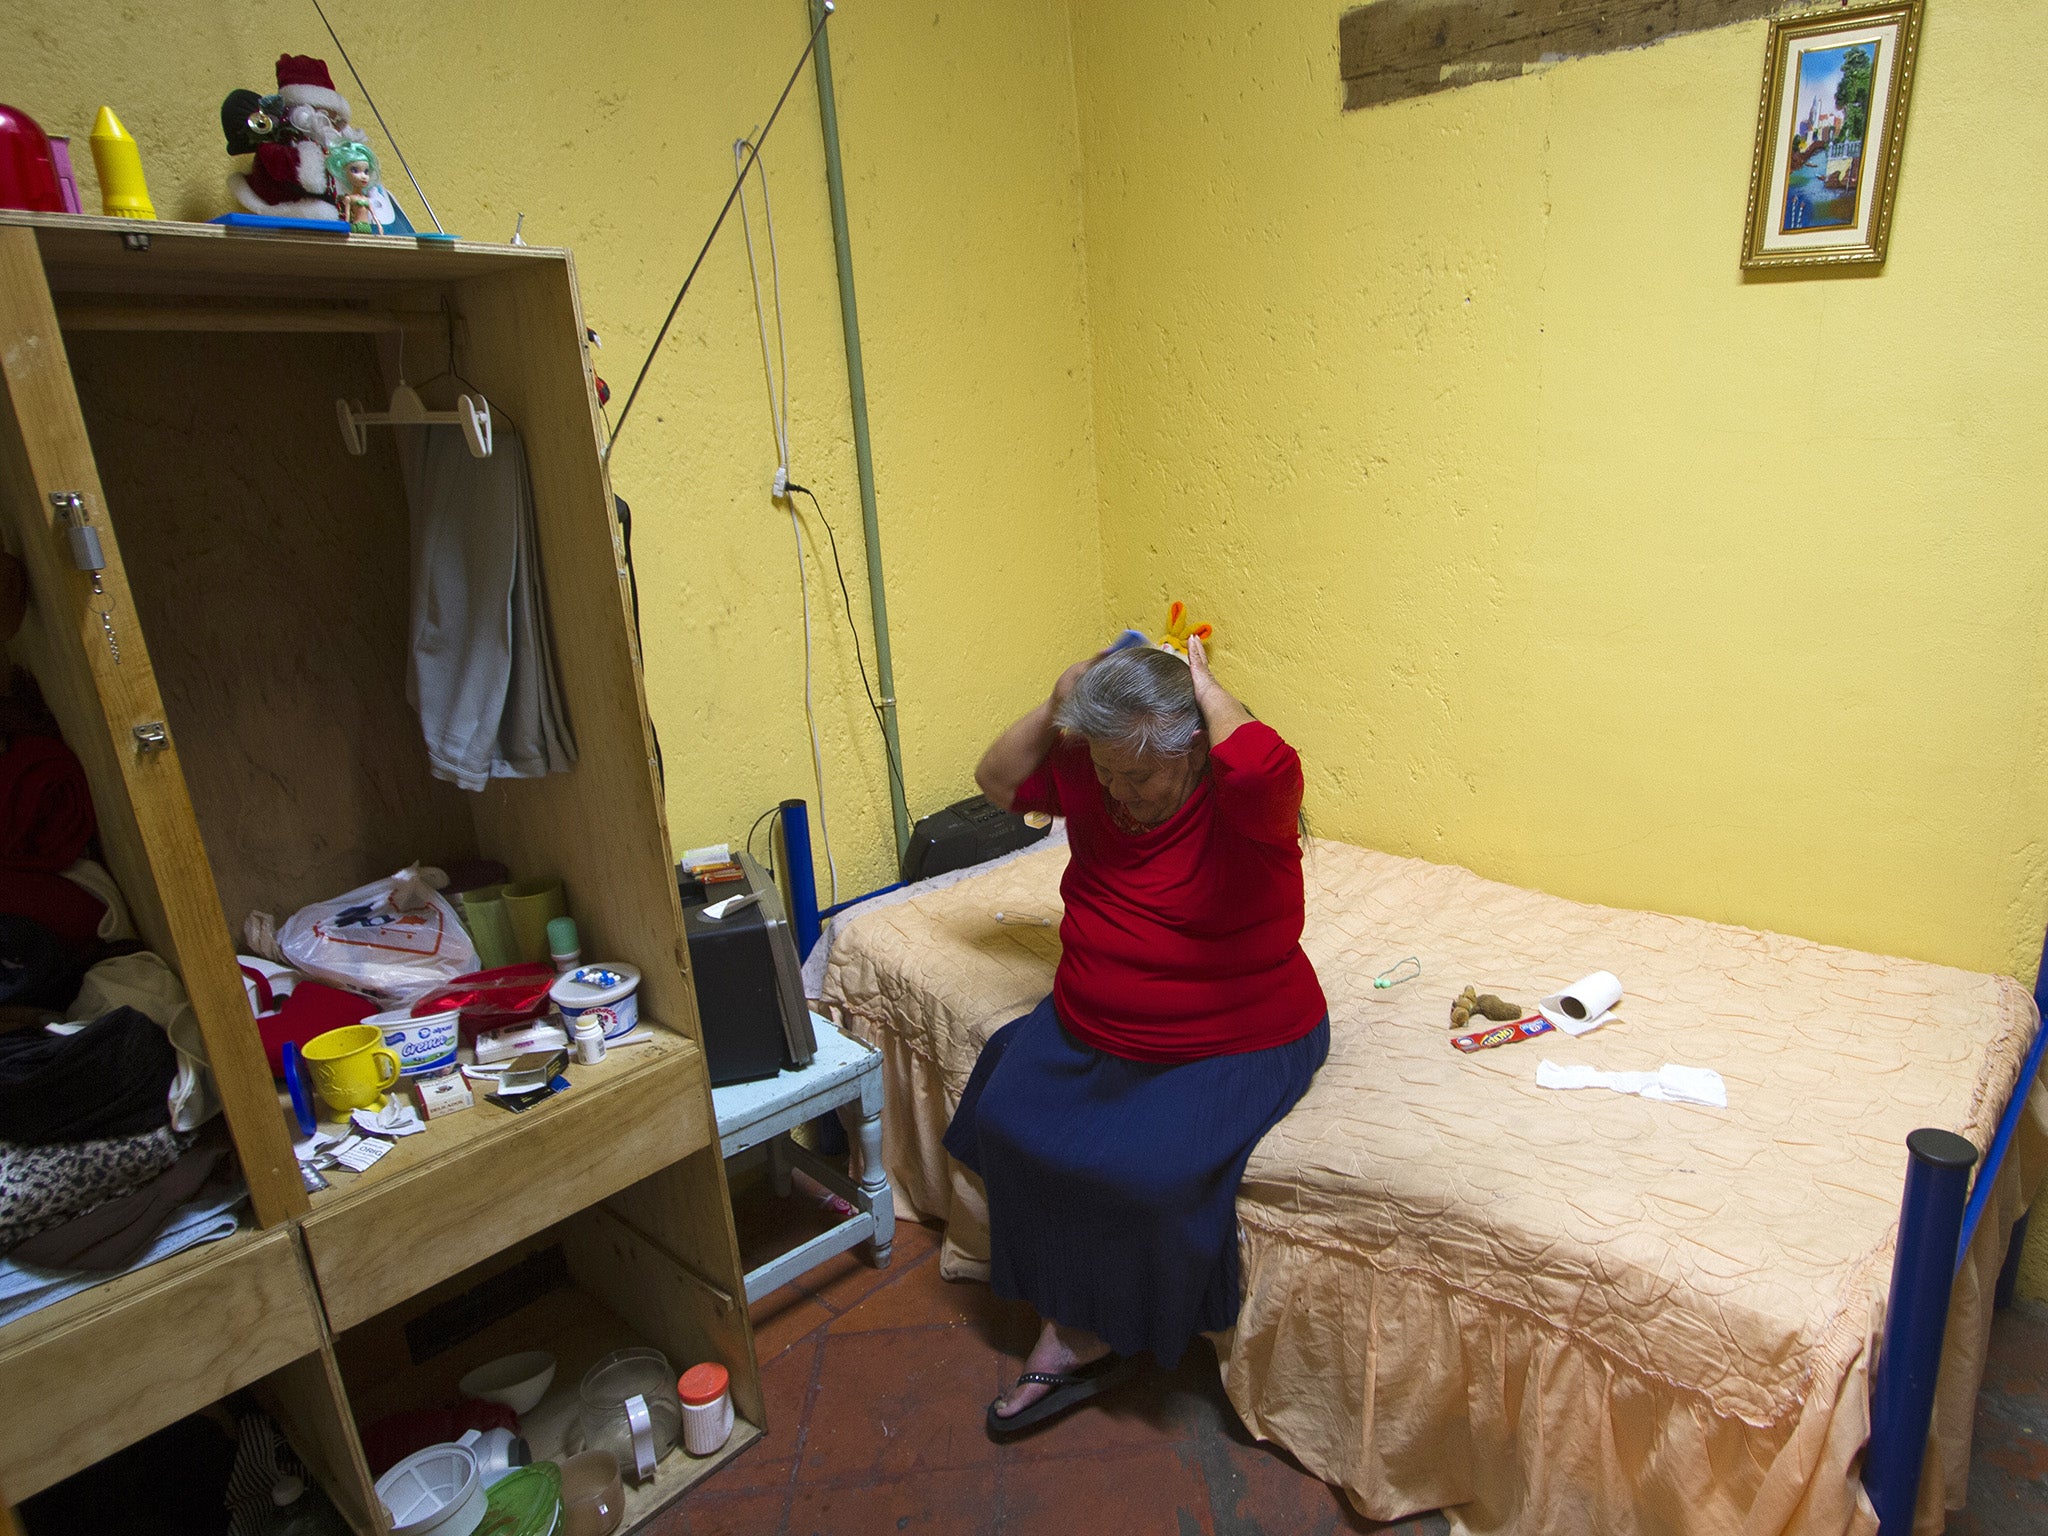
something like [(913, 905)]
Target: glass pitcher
[(630, 1408)]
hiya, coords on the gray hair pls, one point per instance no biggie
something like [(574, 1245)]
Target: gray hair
[(1142, 698)]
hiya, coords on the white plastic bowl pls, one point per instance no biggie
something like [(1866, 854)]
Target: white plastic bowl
[(517, 1381)]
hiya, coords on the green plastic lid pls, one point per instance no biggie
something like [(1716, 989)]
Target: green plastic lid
[(526, 1501), (562, 936)]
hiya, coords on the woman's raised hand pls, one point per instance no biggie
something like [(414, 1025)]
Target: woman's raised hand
[(1221, 713), (1206, 686), (1071, 678)]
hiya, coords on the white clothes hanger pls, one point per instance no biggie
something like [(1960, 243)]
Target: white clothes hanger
[(472, 413)]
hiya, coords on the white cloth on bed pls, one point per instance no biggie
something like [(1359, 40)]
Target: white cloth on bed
[(1669, 1084)]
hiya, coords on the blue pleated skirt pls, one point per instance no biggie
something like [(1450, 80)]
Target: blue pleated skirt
[(1112, 1184)]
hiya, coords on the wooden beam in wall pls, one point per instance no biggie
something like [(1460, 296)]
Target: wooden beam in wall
[(1394, 49)]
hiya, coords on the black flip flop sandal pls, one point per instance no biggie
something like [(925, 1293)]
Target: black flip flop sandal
[(1070, 1389)]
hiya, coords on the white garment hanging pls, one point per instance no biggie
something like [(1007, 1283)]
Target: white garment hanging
[(482, 671)]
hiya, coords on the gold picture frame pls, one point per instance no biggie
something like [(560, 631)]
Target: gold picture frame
[(1829, 132)]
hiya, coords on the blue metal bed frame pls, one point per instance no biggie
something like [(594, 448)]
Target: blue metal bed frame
[(1938, 1217)]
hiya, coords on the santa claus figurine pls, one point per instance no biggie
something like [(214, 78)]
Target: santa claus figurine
[(291, 135)]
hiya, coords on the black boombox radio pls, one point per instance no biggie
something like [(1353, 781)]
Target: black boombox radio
[(750, 994)]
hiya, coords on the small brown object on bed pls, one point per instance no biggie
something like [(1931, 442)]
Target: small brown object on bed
[(1486, 1005)]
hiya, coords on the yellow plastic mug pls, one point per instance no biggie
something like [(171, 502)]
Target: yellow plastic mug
[(351, 1066)]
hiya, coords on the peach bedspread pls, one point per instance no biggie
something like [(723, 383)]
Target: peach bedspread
[(1541, 1311)]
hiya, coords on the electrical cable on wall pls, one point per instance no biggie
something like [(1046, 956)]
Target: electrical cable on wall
[(768, 863), (846, 598), (775, 365), (778, 397), (371, 102), (817, 761), (747, 155), (626, 411)]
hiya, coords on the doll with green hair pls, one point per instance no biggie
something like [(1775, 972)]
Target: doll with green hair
[(352, 173)]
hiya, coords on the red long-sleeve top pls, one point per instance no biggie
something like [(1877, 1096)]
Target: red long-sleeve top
[(1184, 940)]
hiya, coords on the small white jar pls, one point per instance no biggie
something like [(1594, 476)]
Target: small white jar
[(588, 1037), (706, 1395)]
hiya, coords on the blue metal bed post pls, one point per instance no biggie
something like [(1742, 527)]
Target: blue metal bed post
[(1937, 1222), (1923, 1275), (1994, 1157), (2009, 1272), (803, 880)]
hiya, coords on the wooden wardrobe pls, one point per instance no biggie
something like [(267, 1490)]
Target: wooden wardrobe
[(236, 691)]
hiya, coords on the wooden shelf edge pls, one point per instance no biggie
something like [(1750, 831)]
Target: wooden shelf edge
[(678, 1473), (410, 246), (124, 1290), (486, 1125)]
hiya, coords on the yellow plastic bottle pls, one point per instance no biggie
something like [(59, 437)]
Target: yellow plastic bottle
[(123, 192)]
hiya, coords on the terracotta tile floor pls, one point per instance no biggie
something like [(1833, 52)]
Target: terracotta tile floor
[(877, 1380), (2009, 1453)]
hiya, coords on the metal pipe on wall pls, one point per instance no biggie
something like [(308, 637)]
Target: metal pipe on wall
[(863, 453)]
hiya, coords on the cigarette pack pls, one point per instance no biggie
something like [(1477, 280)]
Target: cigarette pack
[(437, 1096)]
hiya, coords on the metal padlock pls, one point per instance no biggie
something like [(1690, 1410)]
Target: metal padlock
[(86, 553), (85, 547)]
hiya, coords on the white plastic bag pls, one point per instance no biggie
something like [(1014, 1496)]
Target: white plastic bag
[(394, 939)]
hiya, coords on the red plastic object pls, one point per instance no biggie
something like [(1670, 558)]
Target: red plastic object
[(489, 1000), (390, 1440), (70, 912), (28, 173), (311, 1010), (702, 1384)]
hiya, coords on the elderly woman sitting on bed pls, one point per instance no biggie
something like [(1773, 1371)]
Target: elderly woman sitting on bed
[(1112, 1123)]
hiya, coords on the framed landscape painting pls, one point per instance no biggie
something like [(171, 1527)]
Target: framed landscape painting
[(1828, 136)]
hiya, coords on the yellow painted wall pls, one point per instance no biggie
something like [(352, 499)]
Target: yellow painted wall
[(612, 129), (1561, 551)]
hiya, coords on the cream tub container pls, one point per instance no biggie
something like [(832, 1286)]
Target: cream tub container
[(426, 1044), (606, 993)]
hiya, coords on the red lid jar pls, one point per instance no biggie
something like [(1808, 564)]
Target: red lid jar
[(702, 1385)]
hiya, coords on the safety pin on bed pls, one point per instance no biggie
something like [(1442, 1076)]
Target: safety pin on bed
[(1387, 978)]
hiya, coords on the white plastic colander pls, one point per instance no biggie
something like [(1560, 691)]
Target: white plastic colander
[(435, 1492)]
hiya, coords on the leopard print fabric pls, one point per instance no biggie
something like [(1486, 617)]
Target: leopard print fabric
[(41, 1186)]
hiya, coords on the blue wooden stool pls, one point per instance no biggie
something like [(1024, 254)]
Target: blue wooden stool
[(845, 1075)]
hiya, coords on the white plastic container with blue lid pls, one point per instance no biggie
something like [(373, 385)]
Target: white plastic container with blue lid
[(607, 993)]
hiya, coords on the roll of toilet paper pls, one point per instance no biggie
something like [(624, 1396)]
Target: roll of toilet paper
[(1584, 1005)]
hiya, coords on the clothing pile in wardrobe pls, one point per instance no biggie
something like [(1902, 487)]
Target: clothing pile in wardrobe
[(482, 673), (104, 1088), (59, 909), (106, 1161)]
